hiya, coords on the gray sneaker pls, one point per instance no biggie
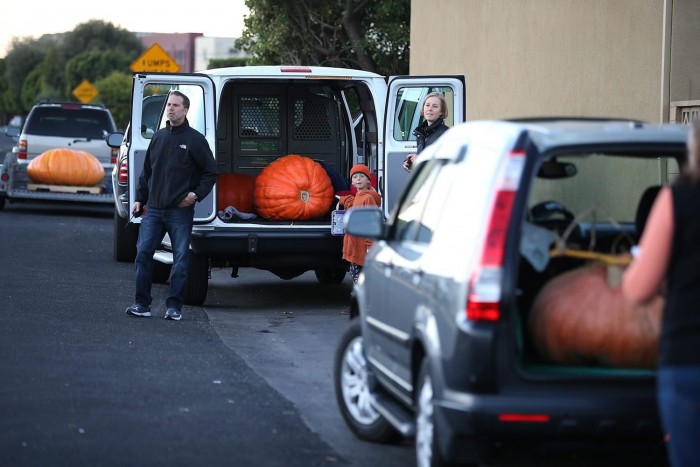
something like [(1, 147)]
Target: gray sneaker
[(172, 313), (138, 310)]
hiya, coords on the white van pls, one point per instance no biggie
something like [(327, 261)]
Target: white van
[(252, 116)]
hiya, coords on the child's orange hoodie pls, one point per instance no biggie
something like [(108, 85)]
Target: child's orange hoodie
[(354, 248)]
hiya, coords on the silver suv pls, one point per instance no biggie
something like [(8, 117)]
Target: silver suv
[(51, 125), (443, 345)]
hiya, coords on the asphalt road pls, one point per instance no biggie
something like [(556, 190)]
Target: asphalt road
[(83, 384), (245, 380)]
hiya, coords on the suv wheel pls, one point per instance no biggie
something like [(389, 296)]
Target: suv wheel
[(125, 236), (331, 275), (352, 390), (427, 446), (197, 280)]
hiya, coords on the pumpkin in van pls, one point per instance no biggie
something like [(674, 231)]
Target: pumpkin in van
[(293, 187), (62, 166), (578, 319), (235, 190)]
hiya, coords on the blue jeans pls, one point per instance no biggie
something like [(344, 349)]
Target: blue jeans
[(679, 404), (177, 222)]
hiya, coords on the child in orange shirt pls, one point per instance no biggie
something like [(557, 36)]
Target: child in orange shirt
[(355, 249)]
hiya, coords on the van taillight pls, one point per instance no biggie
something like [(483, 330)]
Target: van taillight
[(484, 297), (22, 149), (123, 176), (115, 155)]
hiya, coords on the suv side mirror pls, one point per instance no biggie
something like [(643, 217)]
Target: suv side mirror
[(12, 131), (365, 223)]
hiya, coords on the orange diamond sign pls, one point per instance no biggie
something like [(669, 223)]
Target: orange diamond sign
[(85, 92), (155, 59)]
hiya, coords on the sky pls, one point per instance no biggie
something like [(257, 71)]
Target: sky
[(211, 17)]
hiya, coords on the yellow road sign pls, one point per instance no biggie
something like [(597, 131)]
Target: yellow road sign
[(85, 92), (155, 59)]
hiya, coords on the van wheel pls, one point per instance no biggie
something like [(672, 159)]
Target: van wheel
[(197, 280), (427, 446), (161, 272), (331, 275), (352, 391), (2, 203), (125, 236)]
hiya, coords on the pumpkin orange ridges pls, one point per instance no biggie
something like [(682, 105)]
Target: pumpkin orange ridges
[(62, 166), (235, 190), (578, 319), (293, 187)]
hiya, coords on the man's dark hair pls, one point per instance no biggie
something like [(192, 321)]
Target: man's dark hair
[(185, 99)]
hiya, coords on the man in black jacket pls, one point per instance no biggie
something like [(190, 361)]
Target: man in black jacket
[(179, 169)]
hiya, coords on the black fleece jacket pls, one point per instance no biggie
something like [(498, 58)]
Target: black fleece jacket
[(427, 135), (178, 160)]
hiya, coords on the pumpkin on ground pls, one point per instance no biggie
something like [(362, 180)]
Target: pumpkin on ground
[(63, 166), (235, 190), (577, 318), (293, 188)]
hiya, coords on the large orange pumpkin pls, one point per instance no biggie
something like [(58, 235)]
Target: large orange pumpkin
[(66, 167), (235, 190), (577, 318), (293, 188)]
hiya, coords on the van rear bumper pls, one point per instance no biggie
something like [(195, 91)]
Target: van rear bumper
[(316, 247)]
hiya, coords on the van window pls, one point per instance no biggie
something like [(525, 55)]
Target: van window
[(195, 115), (409, 101)]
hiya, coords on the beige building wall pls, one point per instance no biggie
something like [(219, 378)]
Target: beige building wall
[(552, 57)]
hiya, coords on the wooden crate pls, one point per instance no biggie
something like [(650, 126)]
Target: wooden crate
[(94, 190)]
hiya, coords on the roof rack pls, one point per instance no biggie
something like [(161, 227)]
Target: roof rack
[(579, 118)]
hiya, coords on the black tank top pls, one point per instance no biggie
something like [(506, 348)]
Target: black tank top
[(680, 333)]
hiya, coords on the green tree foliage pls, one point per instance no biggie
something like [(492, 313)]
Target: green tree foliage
[(52, 66), (115, 93), (94, 64), (226, 62), (371, 35)]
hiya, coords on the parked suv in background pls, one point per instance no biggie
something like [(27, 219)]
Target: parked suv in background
[(439, 345), (52, 125)]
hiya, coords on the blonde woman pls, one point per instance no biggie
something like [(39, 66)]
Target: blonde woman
[(434, 110)]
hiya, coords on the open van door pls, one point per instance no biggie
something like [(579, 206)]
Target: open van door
[(405, 97), (201, 116)]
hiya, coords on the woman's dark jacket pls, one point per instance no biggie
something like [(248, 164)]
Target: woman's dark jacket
[(427, 135)]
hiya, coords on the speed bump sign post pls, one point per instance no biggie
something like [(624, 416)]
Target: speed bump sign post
[(85, 92), (155, 59)]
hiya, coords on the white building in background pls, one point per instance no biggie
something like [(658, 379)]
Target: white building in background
[(207, 48)]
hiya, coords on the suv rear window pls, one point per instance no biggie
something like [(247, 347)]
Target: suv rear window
[(69, 123)]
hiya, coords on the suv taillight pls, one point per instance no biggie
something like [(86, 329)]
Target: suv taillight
[(115, 155), (22, 149), (484, 297), (123, 176)]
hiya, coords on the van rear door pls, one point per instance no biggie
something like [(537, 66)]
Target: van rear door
[(404, 100), (201, 116)]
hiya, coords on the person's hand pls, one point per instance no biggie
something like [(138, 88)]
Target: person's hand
[(408, 162), (137, 209), (188, 200)]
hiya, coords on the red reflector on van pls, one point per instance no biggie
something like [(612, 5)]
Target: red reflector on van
[(295, 70), (523, 417)]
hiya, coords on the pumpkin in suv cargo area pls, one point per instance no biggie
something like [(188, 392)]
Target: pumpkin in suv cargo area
[(489, 309)]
